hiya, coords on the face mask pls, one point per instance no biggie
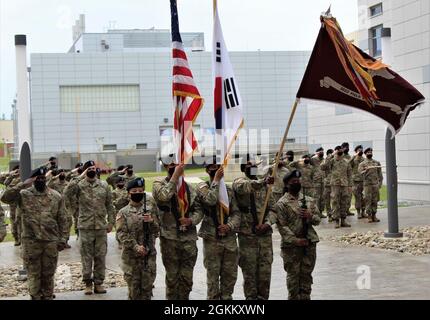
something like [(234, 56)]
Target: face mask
[(294, 188), (171, 171), (360, 153), (91, 174), (136, 197), (307, 161), (80, 171), (212, 173), (369, 156), (120, 186), (346, 151), (320, 155), (339, 153), (40, 185), (62, 177), (328, 155), (290, 158), (52, 164), (130, 172)]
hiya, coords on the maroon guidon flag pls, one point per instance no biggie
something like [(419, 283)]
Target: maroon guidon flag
[(339, 72)]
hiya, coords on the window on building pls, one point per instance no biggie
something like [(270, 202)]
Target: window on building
[(141, 146), (100, 98), (340, 110), (109, 147), (291, 140), (375, 10), (375, 41)]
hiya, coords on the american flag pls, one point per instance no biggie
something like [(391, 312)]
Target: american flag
[(187, 104)]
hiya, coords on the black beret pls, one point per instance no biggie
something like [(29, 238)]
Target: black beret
[(52, 158), (79, 164), (291, 175), (290, 153), (120, 168), (319, 149), (358, 147), (329, 151), (136, 183), (38, 172), (345, 144), (16, 167), (337, 148), (306, 156), (367, 150), (88, 164), (129, 166)]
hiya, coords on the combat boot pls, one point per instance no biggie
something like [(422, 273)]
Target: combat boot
[(88, 288), (369, 218), (344, 224), (374, 219), (98, 288), (330, 219), (359, 214), (337, 223)]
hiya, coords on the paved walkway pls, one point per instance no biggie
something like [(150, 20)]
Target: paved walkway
[(392, 275)]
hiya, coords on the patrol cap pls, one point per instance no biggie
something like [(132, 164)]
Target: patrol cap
[(52, 159), (345, 144), (329, 151), (38, 172), (120, 168), (319, 149), (337, 148), (290, 153), (291, 175), (367, 150), (78, 165), (88, 164), (129, 166), (136, 183), (358, 147), (306, 156)]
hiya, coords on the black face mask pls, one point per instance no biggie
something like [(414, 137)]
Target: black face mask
[(52, 164), (339, 153), (40, 185), (346, 151), (360, 153), (130, 172), (80, 171), (307, 161), (250, 172), (321, 156), (212, 173), (369, 156), (120, 186), (171, 171), (91, 174), (136, 197), (62, 177), (290, 158), (294, 188)]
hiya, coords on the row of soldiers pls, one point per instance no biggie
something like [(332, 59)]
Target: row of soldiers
[(332, 181), (241, 237)]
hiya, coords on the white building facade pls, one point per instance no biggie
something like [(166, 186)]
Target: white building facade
[(330, 125)]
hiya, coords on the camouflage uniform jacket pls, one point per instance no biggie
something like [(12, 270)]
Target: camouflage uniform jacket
[(165, 195), (120, 198), (355, 162), (208, 195), (130, 227), (371, 176), (326, 170), (42, 213), (318, 173), (94, 200), (286, 214), (113, 178), (244, 188), (57, 185), (307, 171), (341, 172)]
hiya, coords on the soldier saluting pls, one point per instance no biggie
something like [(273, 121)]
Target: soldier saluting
[(295, 215), (44, 231)]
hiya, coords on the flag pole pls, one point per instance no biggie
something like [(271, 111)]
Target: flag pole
[(278, 157)]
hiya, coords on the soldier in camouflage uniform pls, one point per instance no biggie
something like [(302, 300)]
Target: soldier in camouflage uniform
[(357, 180), (289, 158), (178, 235), (94, 200), (137, 228), (327, 188), (255, 240), (10, 180), (299, 239), (340, 183), (125, 172), (347, 156), (71, 201), (372, 176), (278, 185), (120, 200), (318, 181), (3, 224), (220, 251), (308, 172), (43, 231)]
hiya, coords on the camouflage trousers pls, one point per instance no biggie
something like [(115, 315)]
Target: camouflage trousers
[(255, 260), (93, 249), (339, 201), (179, 259), (40, 259), (220, 260), (357, 190), (139, 280), (69, 222), (15, 221), (318, 195), (3, 231), (299, 265), (371, 198), (327, 200)]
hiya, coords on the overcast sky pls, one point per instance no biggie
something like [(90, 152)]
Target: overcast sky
[(248, 25)]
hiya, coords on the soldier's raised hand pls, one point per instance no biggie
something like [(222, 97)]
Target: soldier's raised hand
[(29, 181), (219, 174)]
